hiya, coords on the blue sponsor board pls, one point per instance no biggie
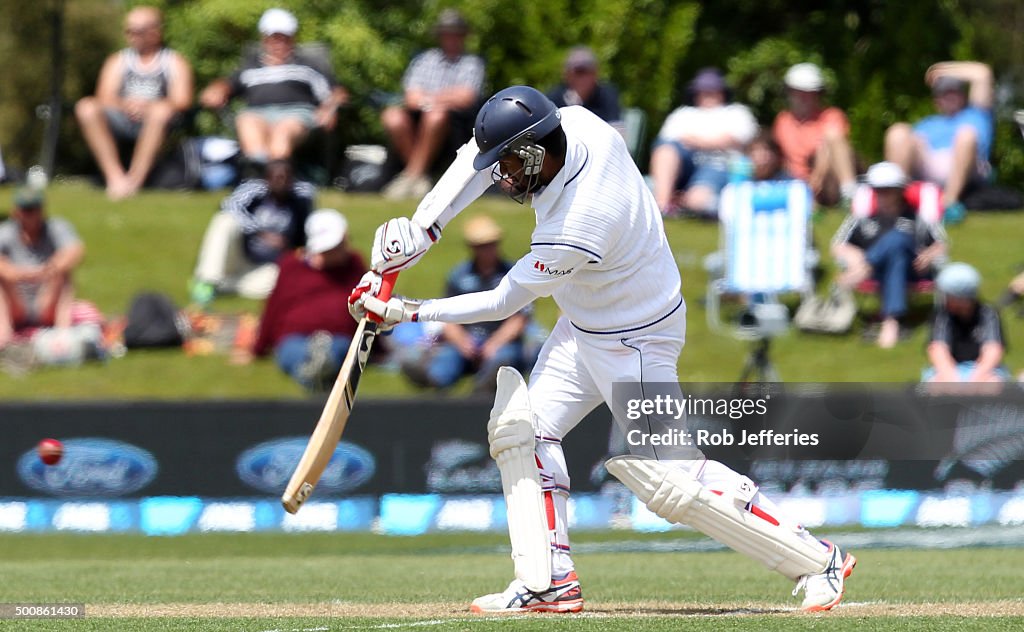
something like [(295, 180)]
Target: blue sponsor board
[(268, 466), (90, 467), (414, 514)]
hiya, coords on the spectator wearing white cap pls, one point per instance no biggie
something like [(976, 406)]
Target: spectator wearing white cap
[(287, 92), (814, 137), (966, 342), (581, 85), (951, 147), (305, 321), (893, 245), (441, 92)]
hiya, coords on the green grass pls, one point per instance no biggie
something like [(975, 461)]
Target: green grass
[(150, 243), (651, 591)]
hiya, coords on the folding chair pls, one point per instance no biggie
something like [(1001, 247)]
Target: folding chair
[(765, 251), (634, 121)]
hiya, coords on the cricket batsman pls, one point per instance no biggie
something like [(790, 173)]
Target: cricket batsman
[(600, 250)]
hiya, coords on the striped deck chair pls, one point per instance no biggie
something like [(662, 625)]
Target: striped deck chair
[(765, 245)]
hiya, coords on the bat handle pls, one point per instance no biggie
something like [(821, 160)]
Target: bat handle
[(387, 284)]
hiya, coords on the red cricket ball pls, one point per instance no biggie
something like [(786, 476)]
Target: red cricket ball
[(50, 451)]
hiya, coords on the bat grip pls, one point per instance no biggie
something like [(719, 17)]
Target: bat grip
[(387, 284)]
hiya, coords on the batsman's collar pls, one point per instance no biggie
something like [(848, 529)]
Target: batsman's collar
[(577, 157)]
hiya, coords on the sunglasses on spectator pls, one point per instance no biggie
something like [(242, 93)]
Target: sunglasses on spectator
[(140, 30)]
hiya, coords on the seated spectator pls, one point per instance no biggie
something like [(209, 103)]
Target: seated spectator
[(966, 343), (479, 349), (305, 322), (37, 257), (581, 86), (765, 158), (952, 147), (441, 94), (287, 92), (894, 245), (813, 138), (142, 91), (690, 160), (259, 221)]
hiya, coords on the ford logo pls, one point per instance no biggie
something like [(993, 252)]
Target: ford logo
[(90, 467), (268, 466)]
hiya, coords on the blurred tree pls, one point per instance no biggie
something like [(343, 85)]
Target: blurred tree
[(92, 31), (875, 53)]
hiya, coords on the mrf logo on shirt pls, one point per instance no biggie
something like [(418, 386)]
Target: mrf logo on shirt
[(548, 270)]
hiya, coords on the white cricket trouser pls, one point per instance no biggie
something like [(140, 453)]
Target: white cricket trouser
[(574, 374), (223, 264)]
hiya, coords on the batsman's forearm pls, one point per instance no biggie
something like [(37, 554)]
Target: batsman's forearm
[(460, 185), (478, 307)]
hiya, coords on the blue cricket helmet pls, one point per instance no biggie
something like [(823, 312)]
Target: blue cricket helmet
[(515, 116)]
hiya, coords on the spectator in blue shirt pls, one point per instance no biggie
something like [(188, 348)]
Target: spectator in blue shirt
[(479, 349), (950, 148)]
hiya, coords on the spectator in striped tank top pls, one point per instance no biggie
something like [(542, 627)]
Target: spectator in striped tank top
[(142, 90)]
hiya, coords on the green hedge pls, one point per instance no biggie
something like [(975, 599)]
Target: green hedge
[(875, 53)]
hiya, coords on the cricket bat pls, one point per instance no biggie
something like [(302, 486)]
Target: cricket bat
[(336, 411)]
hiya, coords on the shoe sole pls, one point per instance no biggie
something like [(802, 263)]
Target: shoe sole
[(576, 605), (849, 562)]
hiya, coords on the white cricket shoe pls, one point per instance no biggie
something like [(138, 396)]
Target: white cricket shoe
[(825, 589), (564, 595)]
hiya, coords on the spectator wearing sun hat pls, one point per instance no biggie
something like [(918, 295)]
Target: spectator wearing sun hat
[(479, 349), (815, 138), (287, 92), (966, 342), (892, 244), (305, 321), (952, 147), (690, 159)]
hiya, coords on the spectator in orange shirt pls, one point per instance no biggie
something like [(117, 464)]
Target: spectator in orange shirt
[(814, 138)]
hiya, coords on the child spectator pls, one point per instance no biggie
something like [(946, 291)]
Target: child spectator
[(966, 342)]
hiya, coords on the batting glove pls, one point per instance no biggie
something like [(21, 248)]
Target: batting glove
[(399, 242), (397, 309), (368, 285)]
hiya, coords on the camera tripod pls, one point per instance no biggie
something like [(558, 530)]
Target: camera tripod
[(758, 365)]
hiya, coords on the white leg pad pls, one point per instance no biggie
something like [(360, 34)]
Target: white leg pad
[(510, 433), (679, 498)]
